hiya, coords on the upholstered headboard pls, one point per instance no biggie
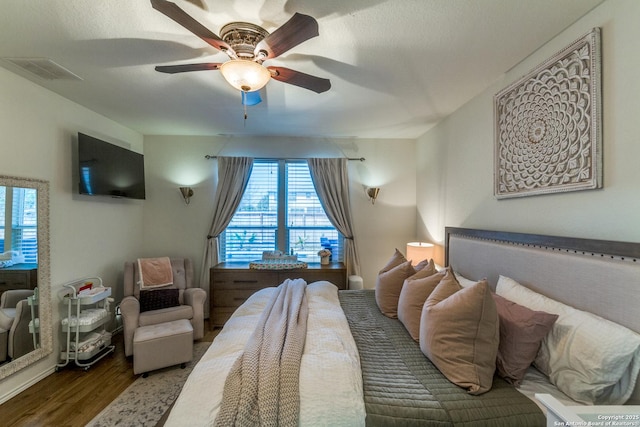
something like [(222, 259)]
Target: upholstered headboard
[(602, 277)]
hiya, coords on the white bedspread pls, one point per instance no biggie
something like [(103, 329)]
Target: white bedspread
[(330, 376)]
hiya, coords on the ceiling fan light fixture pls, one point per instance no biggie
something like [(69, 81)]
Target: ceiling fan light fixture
[(245, 75)]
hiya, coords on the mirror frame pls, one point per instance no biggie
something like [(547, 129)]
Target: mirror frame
[(44, 276)]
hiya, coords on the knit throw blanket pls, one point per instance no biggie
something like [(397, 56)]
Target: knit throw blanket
[(262, 388)]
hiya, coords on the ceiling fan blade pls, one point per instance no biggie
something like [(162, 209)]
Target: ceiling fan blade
[(174, 12), (200, 3), (293, 32), (297, 78), (183, 68)]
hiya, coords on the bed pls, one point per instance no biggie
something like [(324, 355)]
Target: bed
[(360, 367)]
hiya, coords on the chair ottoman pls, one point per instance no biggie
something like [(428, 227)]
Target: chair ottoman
[(162, 345)]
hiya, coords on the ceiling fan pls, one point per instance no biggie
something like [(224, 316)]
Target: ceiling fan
[(247, 46)]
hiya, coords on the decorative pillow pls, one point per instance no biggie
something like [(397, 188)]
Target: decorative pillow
[(459, 333), (388, 287), (424, 269), (158, 299), (396, 259), (591, 359), (424, 264), (463, 281), (414, 293), (521, 332)]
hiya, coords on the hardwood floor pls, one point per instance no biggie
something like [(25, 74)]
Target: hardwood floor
[(72, 397)]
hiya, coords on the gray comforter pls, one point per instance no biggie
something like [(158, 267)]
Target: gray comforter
[(403, 388)]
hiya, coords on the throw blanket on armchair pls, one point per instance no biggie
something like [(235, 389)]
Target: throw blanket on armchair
[(155, 272), (262, 387)]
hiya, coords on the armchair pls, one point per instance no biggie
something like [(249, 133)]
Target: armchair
[(14, 324), (191, 302)]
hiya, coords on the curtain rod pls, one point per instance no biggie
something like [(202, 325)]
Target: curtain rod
[(360, 159)]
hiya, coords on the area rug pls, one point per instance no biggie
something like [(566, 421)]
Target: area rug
[(145, 401)]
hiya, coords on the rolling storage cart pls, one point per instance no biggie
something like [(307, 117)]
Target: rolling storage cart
[(87, 340), (34, 323)]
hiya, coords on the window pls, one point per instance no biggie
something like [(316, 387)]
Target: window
[(18, 209), (280, 210)]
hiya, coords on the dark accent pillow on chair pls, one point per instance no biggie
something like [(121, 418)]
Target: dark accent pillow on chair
[(158, 299)]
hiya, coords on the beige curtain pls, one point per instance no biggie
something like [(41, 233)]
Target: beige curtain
[(233, 176), (331, 182)]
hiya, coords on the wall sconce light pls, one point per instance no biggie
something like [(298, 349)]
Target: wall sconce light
[(419, 251), (187, 192), (373, 194)]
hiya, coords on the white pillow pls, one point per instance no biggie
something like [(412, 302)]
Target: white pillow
[(464, 282), (591, 359)]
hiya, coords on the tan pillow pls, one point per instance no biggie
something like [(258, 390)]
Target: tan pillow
[(459, 333), (424, 269), (414, 293), (424, 263), (396, 259), (388, 287), (521, 333)]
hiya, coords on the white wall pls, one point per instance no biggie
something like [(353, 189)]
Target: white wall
[(455, 159), (171, 227), (87, 236), (95, 236)]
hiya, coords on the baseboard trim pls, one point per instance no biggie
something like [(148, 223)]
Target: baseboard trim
[(26, 385)]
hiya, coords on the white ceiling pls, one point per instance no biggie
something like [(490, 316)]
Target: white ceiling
[(396, 67)]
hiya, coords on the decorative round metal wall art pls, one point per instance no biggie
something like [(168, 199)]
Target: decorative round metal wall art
[(547, 131)]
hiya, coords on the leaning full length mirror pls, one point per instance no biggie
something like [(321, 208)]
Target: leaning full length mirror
[(26, 333)]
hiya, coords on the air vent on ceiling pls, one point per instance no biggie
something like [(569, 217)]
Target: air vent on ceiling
[(44, 68)]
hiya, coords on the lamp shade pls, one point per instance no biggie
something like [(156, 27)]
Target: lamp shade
[(245, 75), (419, 251)]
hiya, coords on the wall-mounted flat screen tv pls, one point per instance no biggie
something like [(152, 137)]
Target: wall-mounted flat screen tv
[(106, 169)]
